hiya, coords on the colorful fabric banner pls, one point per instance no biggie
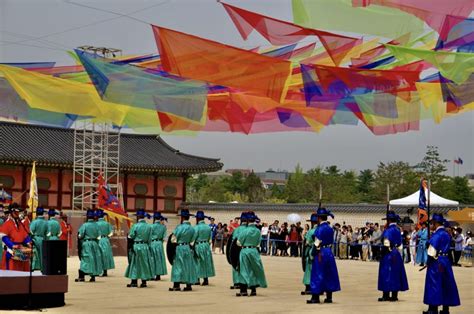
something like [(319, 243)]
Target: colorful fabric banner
[(279, 32), (197, 58), (33, 194), (340, 15)]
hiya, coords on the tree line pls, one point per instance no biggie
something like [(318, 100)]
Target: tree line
[(339, 186)]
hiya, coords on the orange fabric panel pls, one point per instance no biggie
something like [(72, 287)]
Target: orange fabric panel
[(198, 58)]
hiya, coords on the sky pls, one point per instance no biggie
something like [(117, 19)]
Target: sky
[(43, 30)]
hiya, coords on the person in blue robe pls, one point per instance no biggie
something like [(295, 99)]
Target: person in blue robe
[(422, 235), (324, 275), (440, 285), (392, 275)]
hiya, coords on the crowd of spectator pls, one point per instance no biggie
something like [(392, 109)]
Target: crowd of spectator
[(359, 243)]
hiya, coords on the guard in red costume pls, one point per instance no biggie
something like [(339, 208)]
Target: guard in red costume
[(15, 236)]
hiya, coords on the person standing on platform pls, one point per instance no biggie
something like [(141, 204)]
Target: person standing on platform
[(15, 236), (324, 275), (236, 279), (184, 267), (202, 248), (158, 234), (308, 255), (88, 248), (251, 270), (106, 232), (392, 275), (422, 236), (139, 266), (440, 285), (54, 228), (38, 229)]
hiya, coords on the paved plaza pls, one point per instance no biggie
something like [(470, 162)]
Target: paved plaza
[(358, 295)]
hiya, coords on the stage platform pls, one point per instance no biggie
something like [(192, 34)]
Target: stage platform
[(47, 291)]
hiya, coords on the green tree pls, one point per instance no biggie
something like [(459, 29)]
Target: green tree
[(457, 189), (294, 189), (399, 176), (253, 188), (365, 185), (432, 167), (235, 183)]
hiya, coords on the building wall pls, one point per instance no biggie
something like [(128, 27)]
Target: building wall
[(151, 192)]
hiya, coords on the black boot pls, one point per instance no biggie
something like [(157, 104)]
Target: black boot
[(314, 299), (157, 278), (205, 282), (175, 287), (188, 287), (133, 284), (445, 310), (385, 297), (328, 297), (81, 277), (394, 297), (432, 309), (307, 290), (253, 291), (143, 285), (92, 279), (104, 274), (235, 286), (243, 291)]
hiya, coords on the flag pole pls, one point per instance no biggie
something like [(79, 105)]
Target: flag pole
[(428, 206), (320, 194), (388, 198)]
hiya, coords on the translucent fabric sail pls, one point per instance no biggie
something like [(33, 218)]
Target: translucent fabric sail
[(132, 86), (340, 15), (279, 32), (198, 58), (433, 12), (456, 66)]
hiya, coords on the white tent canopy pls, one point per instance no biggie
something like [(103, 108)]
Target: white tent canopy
[(412, 200)]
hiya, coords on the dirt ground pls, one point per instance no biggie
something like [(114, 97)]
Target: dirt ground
[(358, 280)]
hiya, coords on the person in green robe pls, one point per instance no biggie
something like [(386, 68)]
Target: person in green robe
[(251, 267), (308, 256), (88, 247), (184, 267), (139, 253), (236, 279), (106, 231), (202, 247), (54, 227), (158, 234), (38, 230)]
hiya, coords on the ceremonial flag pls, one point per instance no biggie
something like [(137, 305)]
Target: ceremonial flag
[(109, 202), (5, 198), (422, 207), (458, 161), (33, 198)]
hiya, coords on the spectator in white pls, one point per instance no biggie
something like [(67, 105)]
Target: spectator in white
[(458, 244), (343, 243), (264, 241), (467, 249), (413, 239), (274, 236)]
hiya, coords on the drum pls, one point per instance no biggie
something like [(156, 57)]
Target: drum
[(22, 254)]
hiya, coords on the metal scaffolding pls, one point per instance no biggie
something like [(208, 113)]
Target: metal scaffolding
[(96, 152)]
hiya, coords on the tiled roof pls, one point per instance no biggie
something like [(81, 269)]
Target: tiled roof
[(48, 146), (304, 208)]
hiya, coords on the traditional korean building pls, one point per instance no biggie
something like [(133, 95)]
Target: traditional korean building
[(152, 173)]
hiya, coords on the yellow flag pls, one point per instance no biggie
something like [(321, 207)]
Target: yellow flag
[(33, 198)]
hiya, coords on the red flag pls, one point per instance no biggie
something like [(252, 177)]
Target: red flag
[(106, 198)]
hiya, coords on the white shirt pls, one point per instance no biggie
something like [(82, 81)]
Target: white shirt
[(264, 231)]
